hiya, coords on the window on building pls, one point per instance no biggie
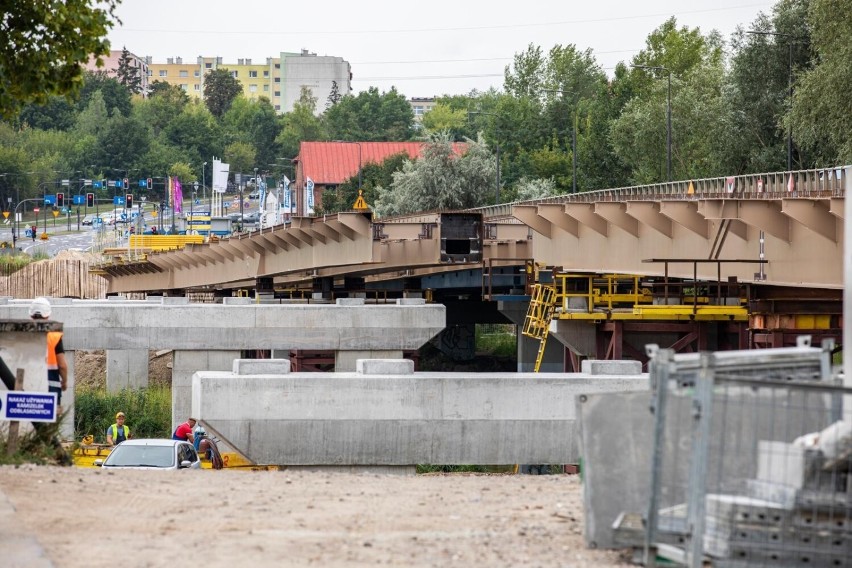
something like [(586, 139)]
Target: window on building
[(252, 88), (252, 74), (278, 79), (184, 86), (277, 93), (266, 88), (277, 107), (197, 73), (184, 73), (235, 74), (266, 73), (278, 66), (196, 87), (418, 111), (164, 73), (208, 66)]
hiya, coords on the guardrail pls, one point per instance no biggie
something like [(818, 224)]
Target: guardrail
[(824, 182)]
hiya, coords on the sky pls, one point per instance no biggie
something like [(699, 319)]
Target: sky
[(424, 49)]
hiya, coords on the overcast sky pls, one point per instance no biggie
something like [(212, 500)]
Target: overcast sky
[(424, 48)]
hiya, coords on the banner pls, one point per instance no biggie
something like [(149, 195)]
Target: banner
[(178, 196), (170, 201), (220, 176), (309, 196), (287, 201)]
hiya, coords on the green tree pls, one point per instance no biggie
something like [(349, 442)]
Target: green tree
[(440, 179), (442, 117), (241, 156), (194, 132), (93, 119), (45, 45), (254, 122), (164, 103), (57, 113), (334, 96), (373, 176), (220, 90), (127, 74), (371, 117), (115, 95), (820, 115), (300, 124), (122, 144)]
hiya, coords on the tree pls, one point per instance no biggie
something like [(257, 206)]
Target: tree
[(334, 96), (240, 156), (300, 124), (440, 179), (220, 90), (371, 117), (45, 45), (55, 114), (255, 122), (444, 118), (164, 103), (820, 115), (372, 176), (127, 74), (116, 96)]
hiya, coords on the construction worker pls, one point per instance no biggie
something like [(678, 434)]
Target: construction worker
[(57, 367), (118, 432), (184, 432)]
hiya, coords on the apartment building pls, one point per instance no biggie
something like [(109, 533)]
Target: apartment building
[(111, 66), (280, 79)]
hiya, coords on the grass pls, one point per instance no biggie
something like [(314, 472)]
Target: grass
[(496, 340), (148, 411)]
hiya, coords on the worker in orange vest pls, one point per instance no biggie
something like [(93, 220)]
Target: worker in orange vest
[(57, 367)]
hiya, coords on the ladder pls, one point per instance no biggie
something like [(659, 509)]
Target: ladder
[(539, 314)]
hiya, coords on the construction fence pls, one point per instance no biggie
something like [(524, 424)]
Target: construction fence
[(752, 460)]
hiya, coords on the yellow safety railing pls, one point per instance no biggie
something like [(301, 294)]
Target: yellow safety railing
[(539, 314)]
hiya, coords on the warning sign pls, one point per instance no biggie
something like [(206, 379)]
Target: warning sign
[(29, 406)]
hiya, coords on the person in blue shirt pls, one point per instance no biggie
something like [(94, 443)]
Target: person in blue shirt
[(118, 432)]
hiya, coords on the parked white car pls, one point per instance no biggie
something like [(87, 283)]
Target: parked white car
[(151, 454)]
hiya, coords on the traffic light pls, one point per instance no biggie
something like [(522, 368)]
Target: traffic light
[(90, 200), (149, 183), (128, 201), (126, 183), (60, 200)]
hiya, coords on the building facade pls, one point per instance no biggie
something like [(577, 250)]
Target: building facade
[(111, 63), (280, 79)]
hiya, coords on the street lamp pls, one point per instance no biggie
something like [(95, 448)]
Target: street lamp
[(790, 41), (668, 115), (573, 140), (497, 147)]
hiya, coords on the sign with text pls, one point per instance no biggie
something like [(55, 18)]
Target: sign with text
[(28, 406)]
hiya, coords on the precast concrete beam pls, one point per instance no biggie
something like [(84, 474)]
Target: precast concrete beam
[(115, 324), (400, 419)]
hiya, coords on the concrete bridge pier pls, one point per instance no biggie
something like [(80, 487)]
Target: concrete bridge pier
[(126, 369), (185, 364), (554, 353)]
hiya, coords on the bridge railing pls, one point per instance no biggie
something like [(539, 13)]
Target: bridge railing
[(824, 182)]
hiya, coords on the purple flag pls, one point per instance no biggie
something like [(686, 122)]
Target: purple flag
[(178, 197)]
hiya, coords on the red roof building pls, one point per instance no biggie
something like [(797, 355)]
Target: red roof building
[(329, 164)]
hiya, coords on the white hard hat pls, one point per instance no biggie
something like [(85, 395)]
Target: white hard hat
[(40, 308)]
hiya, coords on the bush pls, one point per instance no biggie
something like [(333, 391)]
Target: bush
[(148, 411)]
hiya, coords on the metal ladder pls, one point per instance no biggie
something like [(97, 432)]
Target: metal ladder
[(539, 314)]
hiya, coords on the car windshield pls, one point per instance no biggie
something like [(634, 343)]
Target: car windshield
[(141, 456)]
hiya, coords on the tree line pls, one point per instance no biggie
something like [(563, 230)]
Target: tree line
[(777, 90)]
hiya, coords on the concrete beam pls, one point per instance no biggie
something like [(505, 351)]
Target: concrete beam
[(400, 419)]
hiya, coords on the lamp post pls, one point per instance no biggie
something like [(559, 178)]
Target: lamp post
[(497, 147), (204, 181), (790, 41), (668, 115), (573, 140)]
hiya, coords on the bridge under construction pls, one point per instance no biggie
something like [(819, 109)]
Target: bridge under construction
[(722, 263)]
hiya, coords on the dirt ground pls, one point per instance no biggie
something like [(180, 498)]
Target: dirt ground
[(90, 368), (89, 518)]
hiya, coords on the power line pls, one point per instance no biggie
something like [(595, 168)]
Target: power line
[(256, 32)]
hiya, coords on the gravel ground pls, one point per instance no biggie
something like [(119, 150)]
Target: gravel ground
[(90, 518)]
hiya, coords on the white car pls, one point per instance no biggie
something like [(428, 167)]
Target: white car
[(151, 454)]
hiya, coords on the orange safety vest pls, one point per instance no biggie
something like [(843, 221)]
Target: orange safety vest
[(53, 338)]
